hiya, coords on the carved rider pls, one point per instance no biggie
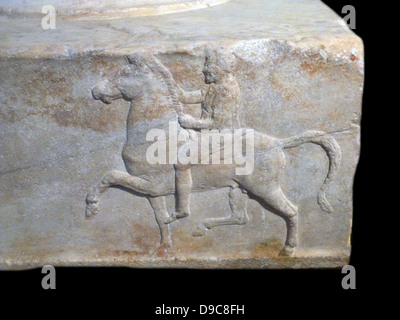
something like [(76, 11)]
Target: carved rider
[(219, 110)]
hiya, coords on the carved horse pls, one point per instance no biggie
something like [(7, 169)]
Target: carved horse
[(154, 101)]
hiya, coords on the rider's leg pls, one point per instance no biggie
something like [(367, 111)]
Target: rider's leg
[(183, 188)]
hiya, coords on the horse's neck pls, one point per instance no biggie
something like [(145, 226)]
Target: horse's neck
[(164, 76), (153, 108)]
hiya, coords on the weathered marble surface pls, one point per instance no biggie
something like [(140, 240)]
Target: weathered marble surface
[(103, 9), (298, 67)]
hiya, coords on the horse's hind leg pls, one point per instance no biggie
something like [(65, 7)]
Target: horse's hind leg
[(275, 199), (114, 178), (238, 216), (161, 213)]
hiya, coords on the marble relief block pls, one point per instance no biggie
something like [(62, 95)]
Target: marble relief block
[(195, 134)]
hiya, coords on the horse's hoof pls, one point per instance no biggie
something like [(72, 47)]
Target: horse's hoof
[(288, 251), (163, 250), (200, 231), (92, 197), (91, 210)]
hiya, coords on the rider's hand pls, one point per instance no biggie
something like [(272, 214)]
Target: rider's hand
[(185, 121)]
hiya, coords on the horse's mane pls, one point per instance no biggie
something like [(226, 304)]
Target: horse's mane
[(161, 72)]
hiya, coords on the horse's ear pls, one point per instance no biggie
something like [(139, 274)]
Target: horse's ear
[(208, 52), (133, 58), (139, 59)]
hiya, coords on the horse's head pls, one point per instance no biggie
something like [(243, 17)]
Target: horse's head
[(126, 84)]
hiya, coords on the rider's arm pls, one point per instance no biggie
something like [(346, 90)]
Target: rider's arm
[(188, 122), (191, 97)]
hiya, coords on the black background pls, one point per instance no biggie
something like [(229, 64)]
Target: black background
[(265, 293)]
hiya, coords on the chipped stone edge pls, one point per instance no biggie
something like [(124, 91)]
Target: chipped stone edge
[(326, 261)]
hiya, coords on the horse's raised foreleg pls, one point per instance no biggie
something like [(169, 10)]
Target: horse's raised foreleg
[(238, 216), (161, 213), (115, 178)]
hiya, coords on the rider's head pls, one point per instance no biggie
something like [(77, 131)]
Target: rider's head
[(218, 63)]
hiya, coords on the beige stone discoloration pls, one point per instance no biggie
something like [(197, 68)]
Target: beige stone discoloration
[(295, 73), (60, 93)]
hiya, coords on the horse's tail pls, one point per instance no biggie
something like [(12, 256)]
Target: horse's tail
[(332, 149)]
